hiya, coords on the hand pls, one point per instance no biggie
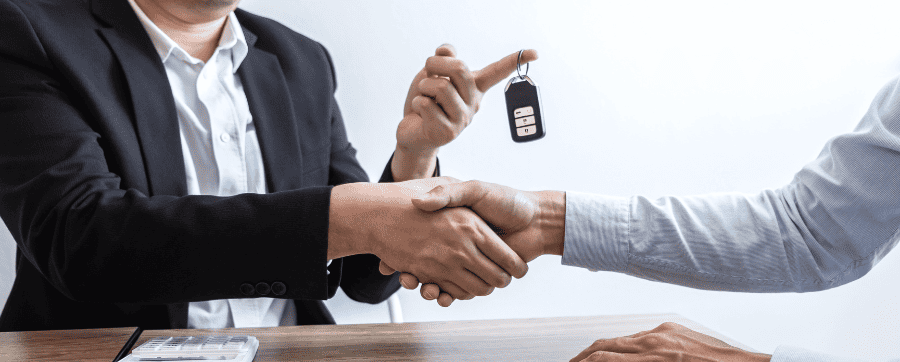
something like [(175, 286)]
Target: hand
[(531, 223), (668, 342), (440, 104), (453, 248)]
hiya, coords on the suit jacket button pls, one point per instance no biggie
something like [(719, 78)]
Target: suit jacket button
[(263, 288), (247, 289), (278, 288)]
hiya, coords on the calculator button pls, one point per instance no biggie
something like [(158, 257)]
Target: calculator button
[(522, 122), (526, 131), (524, 111), (263, 288), (247, 289), (278, 288)]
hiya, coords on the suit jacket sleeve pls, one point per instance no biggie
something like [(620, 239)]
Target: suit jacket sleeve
[(94, 241), (360, 278)]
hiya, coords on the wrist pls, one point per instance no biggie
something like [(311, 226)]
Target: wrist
[(413, 163), (347, 236), (552, 221)]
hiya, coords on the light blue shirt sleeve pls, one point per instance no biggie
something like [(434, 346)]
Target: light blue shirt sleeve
[(836, 219)]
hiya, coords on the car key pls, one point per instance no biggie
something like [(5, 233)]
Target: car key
[(523, 106)]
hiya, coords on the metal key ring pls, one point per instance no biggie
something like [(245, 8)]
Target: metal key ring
[(519, 65)]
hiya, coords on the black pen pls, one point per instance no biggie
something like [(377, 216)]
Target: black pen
[(130, 343)]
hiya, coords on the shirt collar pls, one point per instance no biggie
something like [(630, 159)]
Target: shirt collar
[(232, 38)]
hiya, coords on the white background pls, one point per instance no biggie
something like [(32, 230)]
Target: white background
[(650, 98)]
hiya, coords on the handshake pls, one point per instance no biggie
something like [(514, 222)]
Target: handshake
[(460, 239)]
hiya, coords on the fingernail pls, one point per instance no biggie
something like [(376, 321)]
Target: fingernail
[(428, 295)]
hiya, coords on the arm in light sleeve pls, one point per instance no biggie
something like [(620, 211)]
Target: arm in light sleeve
[(829, 226)]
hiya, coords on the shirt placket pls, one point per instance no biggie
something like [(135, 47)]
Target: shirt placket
[(227, 140)]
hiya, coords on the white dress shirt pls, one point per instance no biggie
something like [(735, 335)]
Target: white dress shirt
[(829, 226), (221, 152)]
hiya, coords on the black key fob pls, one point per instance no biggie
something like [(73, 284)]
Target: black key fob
[(523, 106)]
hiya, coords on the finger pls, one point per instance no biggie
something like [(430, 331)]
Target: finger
[(452, 195), (409, 281), (455, 290), (616, 345), (460, 76), (430, 291), (492, 74), (447, 97), (446, 50), (472, 282), (437, 126), (445, 300), (385, 269), (619, 345), (603, 356), (499, 255)]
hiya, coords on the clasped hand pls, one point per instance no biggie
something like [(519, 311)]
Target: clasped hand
[(530, 223)]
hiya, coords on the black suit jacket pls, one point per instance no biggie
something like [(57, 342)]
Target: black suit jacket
[(92, 183)]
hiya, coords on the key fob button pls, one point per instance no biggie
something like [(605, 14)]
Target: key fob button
[(524, 111), (525, 121), (525, 131)]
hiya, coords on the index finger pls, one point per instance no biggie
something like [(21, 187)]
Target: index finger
[(499, 70)]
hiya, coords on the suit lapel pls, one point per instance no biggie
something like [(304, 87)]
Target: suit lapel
[(156, 119), (273, 115)]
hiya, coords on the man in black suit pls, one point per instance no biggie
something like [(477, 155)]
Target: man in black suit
[(110, 231)]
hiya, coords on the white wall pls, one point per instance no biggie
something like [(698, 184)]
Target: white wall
[(648, 98)]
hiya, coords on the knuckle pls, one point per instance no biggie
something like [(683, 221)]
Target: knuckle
[(461, 70), (652, 340), (669, 326), (445, 86), (420, 102)]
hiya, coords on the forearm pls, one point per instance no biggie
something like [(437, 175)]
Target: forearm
[(552, 221), (409, 164), (829, 226)]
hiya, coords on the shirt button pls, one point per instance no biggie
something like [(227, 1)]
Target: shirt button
[(225, 137)]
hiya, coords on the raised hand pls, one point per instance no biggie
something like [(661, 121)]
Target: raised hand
[(531, 223), (440, 104), (452, 248), (668, 342)]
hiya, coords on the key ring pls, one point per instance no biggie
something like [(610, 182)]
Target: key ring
[(519, 65)]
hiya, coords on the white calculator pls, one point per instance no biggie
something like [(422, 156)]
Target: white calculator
[(200, 348)]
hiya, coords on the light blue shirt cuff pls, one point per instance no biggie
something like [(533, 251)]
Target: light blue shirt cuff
[(596, 232), (797, 354)]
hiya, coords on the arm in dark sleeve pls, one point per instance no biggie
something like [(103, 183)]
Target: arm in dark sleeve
[(94, 241)]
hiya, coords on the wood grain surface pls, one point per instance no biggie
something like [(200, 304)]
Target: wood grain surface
[(87, 345), (543, 339)]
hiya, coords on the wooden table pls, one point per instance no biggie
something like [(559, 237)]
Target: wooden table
[(87, 345), (543, 339)]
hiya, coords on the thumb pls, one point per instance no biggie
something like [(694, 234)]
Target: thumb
[(451, 195)]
